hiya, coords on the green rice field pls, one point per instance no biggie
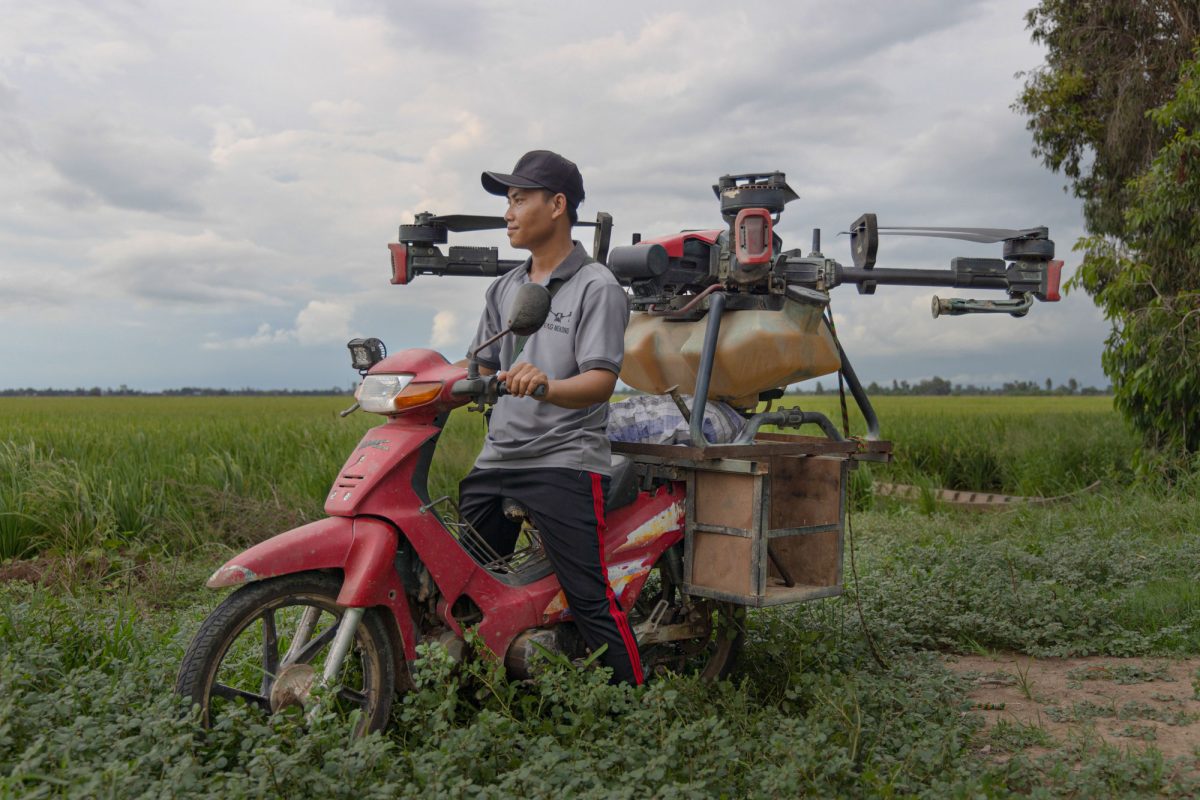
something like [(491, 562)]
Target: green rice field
[(80, 473), (114, 510)]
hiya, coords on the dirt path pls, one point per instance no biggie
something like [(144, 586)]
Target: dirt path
[(1037, 705)]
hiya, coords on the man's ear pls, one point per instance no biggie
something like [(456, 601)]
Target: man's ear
[(560, 205)]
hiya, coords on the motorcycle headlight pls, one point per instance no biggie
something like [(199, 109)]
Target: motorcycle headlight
[(389, 394)]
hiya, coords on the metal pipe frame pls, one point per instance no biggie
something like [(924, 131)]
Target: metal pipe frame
[(791, 418), (856, 389), (716, 306), (341, 644)]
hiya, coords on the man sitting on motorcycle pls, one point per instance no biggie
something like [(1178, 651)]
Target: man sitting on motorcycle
[(549, 451)]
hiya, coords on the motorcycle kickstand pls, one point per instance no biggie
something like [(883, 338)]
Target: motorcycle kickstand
[(341, 646), (654, 619)]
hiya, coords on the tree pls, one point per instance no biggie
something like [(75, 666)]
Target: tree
[(1116, 108), (1148, 283), (1108, 62)]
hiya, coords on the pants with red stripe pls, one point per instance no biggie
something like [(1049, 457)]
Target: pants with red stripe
[(567, 508)]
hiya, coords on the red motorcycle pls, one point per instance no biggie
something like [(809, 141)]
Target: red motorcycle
[(351, 596), (345, 601)]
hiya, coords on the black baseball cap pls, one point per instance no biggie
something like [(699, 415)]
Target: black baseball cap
[(539, 169)]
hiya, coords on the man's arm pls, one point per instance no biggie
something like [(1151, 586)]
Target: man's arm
[(579, 391), (466, 362)]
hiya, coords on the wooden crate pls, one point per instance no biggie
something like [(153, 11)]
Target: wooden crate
[(782, 495), (756, 525)]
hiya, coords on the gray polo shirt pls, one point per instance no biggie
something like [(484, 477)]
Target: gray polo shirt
[(585, 330)]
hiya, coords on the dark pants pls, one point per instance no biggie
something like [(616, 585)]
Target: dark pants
[(567, 508)]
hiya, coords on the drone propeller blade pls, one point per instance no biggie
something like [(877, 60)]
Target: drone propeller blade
[(459, 223), (982, 235)]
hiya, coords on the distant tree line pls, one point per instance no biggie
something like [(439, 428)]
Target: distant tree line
[(927, 386), (941, 386), (186, 391)]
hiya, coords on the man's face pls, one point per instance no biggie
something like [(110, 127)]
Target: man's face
[(531, 217)]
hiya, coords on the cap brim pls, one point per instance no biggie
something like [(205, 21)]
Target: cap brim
[(499, 183)]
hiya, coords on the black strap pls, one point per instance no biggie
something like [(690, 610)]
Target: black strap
[(553, 288)]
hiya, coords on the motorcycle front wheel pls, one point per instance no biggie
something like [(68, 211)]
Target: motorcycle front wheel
[(265, 646)]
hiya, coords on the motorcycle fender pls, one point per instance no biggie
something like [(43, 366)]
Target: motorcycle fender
[(363, 548)]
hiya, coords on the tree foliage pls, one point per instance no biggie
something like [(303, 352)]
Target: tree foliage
[(1116, 108), (1148, 283), (1108, 62)]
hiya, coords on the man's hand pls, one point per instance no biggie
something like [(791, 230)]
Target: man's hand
[(591, 387), (523, 379)]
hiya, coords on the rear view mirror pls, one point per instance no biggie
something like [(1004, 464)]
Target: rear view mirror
[(529, 310)]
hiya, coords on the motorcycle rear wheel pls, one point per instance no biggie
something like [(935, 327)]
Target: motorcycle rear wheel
[(257, 636), (712, 656)]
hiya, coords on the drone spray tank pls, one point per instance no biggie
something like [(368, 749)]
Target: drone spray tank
[(766, 337)]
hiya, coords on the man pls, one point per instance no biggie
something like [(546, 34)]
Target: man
[(549, 451)]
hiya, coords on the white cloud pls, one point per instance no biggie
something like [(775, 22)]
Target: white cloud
[(125, 167), (324, 321), (263, 337), (445, 330), (189, 269), (80, 42), (319, 322), (207, 168), (336, 116)]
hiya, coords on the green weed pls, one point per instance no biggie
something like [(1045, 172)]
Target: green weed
[(1014, 735), (1121, 673)]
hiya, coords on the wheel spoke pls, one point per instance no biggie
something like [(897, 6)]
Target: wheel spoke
[(230, 693), (304, 630), (312, 648), (270, 648), (350, 695), (270, 642)]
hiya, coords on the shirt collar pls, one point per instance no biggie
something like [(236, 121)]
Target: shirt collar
[(575, 261)]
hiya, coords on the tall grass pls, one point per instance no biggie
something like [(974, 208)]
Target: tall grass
[(1016, 445), (110, 473), (83, 472)]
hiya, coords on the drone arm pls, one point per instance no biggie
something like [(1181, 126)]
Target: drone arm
[(411, 260), (964, 273), (1041, 279)]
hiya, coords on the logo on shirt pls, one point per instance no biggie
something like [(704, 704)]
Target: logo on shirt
[(559, 317)]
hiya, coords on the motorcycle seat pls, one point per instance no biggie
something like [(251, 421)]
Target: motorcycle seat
[(623, 485), (622, 490)]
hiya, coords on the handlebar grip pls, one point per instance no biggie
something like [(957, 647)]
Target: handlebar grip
[(502, 390), (466, 386)]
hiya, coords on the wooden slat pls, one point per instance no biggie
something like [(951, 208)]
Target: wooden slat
[(722, 563), (725, 499), (760, 449), (805, 491)]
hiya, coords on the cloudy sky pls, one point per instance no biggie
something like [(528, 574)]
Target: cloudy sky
[(202, 193)]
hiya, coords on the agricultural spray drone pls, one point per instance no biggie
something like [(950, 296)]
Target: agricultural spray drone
[(731, 315)]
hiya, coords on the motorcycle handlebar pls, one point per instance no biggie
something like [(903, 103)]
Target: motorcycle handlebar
[(502, 389), (487, 389)]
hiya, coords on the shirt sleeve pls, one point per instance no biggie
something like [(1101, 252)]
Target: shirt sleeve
[(489, 326), (600, 335)]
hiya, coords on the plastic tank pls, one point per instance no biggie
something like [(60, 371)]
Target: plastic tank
[(756, 351)]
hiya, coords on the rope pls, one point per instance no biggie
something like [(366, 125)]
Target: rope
[(862, 617)]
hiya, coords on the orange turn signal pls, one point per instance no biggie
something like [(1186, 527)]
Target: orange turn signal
[(416, 394)]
